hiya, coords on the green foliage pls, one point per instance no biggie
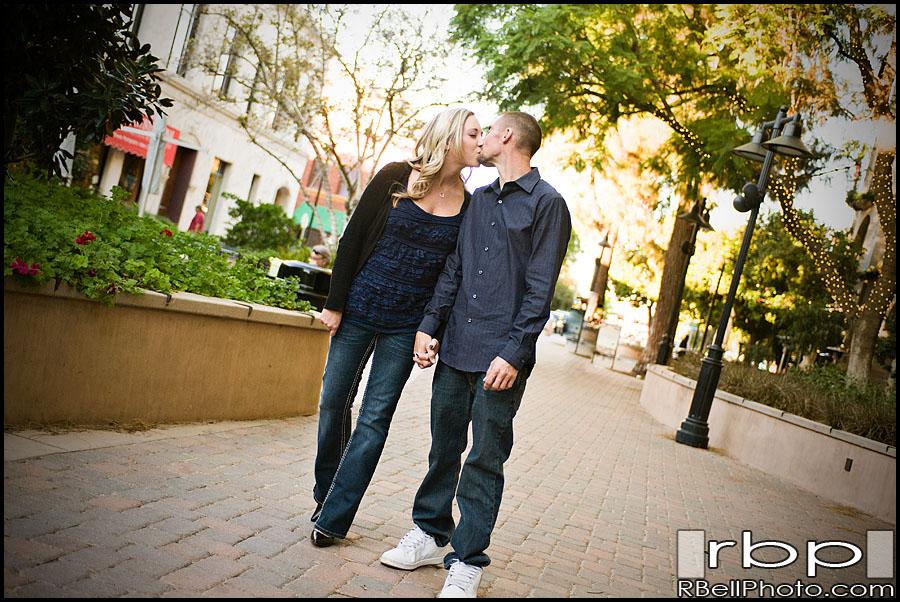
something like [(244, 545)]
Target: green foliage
[(563, 294), (49, 93), (886, 347), (635, 296), (822, 393), (781, 292), (572, 249), (260, 227), (101, 247), (586, 66)]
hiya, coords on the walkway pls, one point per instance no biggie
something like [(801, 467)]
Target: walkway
[(596, 492)]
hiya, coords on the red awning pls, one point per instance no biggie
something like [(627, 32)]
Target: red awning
[(136, 144)]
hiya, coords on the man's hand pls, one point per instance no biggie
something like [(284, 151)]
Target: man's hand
[(425, 350), (500, 375), (331, 320)]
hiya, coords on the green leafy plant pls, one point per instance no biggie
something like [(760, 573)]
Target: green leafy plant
[(821, 393), (259, 227), (47, 97), (101, 247)]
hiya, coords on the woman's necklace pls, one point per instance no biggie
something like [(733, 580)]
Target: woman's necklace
[(441, 189)]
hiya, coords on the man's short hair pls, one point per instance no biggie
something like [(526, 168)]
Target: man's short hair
[(528, 131)]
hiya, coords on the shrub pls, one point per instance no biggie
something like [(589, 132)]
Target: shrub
[(821, 393), (259, 227), (101, 247)]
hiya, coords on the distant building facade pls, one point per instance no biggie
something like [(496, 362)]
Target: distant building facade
[(205, 114)]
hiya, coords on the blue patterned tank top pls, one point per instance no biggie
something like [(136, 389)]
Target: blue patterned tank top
[(396, 283)]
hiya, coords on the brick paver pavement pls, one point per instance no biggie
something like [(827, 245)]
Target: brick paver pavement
[(595, 494)]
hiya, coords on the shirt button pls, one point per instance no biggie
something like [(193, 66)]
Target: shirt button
[(485, 248), (480, 272), (469, 320), (475, 296), (500, 202), (493, 224)]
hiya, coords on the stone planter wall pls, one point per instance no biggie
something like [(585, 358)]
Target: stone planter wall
[(839, 466), (154, 358)]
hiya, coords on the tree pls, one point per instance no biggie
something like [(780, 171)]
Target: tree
[(564, 293), (809, 42), (259, 227), (783, 294), (586, 67), (304, 70), (71, 69), (706, 71)]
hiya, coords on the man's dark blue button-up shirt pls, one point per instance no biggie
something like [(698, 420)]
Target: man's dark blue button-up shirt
[(495, 290)]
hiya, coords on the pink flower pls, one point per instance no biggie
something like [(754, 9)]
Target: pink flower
[(166, 231), (23, 267)]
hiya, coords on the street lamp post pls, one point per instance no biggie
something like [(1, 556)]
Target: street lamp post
[(694, 430), (598, 286), (712, 304), (601, 277), (698, 221)]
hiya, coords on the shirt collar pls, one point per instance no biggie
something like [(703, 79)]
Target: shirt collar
[(527, 182)]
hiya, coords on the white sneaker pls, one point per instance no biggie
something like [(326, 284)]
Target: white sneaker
[(417, 548), (462, 582)]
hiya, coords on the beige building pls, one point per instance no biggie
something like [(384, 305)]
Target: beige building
[(218, 156)]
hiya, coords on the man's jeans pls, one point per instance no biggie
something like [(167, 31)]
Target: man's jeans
[(458, 397), (345, 463)]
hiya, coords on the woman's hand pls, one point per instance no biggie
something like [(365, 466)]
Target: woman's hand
[(426, 349), (331, 319)]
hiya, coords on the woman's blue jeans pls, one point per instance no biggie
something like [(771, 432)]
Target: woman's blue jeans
[(345, 463), (458, 397)]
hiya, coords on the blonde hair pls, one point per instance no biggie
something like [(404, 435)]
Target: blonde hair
[(443, 134)]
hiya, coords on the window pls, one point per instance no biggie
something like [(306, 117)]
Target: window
[(228, 75), (184, 63), (254, 189)]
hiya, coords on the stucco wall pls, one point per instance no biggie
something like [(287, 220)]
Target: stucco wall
[(155, 358), (810, 454)]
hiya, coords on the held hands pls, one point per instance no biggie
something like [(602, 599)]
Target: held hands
[(425, 350), (500, 375), (331, 320)]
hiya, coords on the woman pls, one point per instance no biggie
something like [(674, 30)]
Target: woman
[(387, 263)]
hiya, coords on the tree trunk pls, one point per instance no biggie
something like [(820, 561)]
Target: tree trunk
[(668, 294), (862, 349), (877, 303)]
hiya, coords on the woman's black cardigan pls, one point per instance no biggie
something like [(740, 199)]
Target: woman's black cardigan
[(365, 227)]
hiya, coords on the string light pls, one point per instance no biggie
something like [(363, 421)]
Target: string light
[(688, 136), (882, 293)]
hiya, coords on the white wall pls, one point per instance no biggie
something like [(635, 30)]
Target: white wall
[(204, 120)]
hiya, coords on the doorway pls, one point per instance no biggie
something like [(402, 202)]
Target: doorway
[(172, 203)]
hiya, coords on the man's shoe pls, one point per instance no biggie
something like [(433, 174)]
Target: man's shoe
[(417, 548), (316, 513), (320, 539), (462, 582)]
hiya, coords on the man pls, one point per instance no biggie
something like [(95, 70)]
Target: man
[(320, 256), (494, 297)]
